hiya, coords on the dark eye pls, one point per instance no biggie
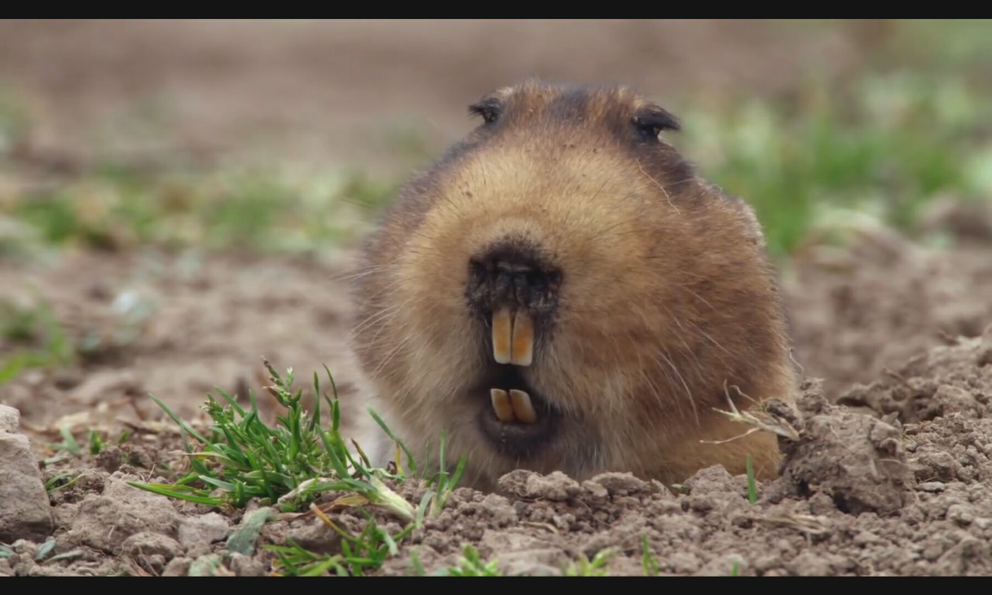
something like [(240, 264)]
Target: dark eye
[(651, 120), (489, 109)]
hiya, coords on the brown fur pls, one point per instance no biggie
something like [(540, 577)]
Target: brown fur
[(667, 293)]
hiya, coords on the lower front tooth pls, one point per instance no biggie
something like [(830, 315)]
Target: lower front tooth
[(501, 405), (502, 335), (522, 407)]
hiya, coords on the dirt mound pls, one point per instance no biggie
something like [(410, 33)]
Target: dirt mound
[(866, 308), (893, 481)]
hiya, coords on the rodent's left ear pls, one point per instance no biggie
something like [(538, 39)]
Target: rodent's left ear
[(651, 119)]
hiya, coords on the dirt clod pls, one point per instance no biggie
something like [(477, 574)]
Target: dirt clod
[(525, 484), (105, 521), (856, 459), (25, 512), (177, 567), (198, 532), (316, 537)]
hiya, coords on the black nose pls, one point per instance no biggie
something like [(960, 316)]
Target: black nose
[(515, 275)]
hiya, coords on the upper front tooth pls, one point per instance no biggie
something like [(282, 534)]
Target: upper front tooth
[(522, 407), (502, 335), (523, 339), (501, 405)]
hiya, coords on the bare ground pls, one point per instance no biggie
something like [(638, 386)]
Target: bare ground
[(888, 472)]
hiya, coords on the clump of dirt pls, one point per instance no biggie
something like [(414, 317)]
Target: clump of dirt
[(855, 459)]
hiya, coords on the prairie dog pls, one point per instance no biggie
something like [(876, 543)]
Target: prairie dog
[(562, 291)]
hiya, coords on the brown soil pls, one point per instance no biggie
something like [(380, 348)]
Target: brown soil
[(890, 476)]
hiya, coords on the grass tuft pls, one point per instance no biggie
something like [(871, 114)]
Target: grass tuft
[(649, 563), (752, 488), (239, 458), (471, 564), (594, 567), (288, 466)]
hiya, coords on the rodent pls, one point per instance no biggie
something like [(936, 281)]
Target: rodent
[(562, 291)]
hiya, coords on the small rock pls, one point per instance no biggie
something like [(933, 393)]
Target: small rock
[(622, 484), (715, 479), (25, 511), (728, 565), (10, 419), (500, 543), (563, 521), (960, 514), (940, 465), (865, 538), (208, 528), (500, 509), (25, 546), (209, 565), (515, 482), (556, 486), (526, 484), (932, 486), (683, 562), (700, 503), (147, 544), (662, 489), (156, 563), (104, 522), (528, 568), (821, 504), (243, 565), (597, 492), (316, 537), (767, 562), (177, 567), (521, 554)]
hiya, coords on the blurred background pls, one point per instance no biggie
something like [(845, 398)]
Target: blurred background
[(180, 198)]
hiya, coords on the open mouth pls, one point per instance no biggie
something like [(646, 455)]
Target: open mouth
[(515, 418)]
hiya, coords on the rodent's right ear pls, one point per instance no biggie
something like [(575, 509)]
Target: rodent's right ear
[(650, 120), (490, 108)]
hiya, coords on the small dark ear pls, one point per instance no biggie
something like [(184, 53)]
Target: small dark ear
[(490, 108), (650, 120)]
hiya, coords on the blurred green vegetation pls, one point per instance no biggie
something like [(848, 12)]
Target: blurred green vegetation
[(886, 144), (914, 124), (248, 209), (30, 337)]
